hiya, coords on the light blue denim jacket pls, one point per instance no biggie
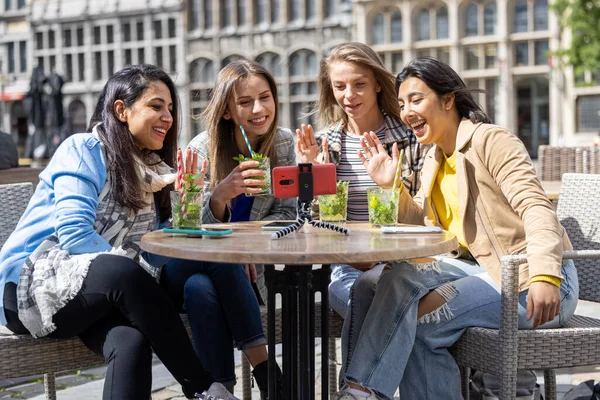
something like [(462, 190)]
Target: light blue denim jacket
[(64, 202)]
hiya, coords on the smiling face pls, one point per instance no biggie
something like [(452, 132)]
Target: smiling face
[(355, 90), (149, 118), (430, 117), (251, 105)]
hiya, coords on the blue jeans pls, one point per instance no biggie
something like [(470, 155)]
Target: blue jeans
[(386, 347), (342, 278), (221, 307)]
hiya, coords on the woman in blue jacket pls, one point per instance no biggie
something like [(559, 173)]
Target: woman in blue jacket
[(72, 267)]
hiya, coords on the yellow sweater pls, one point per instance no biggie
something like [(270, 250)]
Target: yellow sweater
[(444, 195)]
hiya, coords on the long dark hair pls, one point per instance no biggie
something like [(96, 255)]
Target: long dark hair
[(128, 85), (442, 79), (222, 131)]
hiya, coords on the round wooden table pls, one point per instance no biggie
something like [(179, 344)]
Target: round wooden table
[(298, 281)]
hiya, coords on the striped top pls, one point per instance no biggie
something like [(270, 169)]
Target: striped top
[(350, 168)]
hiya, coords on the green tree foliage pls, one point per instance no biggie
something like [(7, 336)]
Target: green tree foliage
[(582, 18)]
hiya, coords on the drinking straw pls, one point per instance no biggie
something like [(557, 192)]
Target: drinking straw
[(181, 182), (247, 141), (398, 169)]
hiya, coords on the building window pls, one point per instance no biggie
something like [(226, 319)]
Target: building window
[(40, 63), (472, 57), (158, 53), (541, 52), (241, 12), (272, 62), (172, 59), (260, 10), (157, 29), (397, 62), (202, 70), (521, 54), (377, 30), (489, 19), (51, 39), (39, 40), (111, 62), (471, 20), (491, 56), (208, 17), (68, 67), (423, 28), (303, 90), (521, 16), (396, 27), (11, 57), (540, 15), (225, 11), (310, 9), (441, 23), (67, 38), (141, 56), (588, 113), (97, 66), (127, 57), (294, 7), (275, 11), (139, 28), (230, 59), (193, 15), (52, 60), (330, 8), (23, 56), (97, 35), (110, 34), (491, 90), (172, 27), (81, 66), (80, 37)]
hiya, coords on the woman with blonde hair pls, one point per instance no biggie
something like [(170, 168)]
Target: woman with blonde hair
[(357, 95), (244, 97)]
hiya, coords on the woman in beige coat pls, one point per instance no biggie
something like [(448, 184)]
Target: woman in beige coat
[(477, 182)]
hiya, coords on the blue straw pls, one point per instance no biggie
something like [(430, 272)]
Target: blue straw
[(247, 141)]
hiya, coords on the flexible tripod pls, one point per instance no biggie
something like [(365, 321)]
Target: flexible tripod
[(305, 198)]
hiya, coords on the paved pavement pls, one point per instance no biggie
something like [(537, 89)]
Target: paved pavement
[(88, 384)]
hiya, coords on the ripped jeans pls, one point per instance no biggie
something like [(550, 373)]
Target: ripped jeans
[(384, 346)]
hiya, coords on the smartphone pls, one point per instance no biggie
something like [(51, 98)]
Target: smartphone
[(285, 180), (276, 225), (200, 232)]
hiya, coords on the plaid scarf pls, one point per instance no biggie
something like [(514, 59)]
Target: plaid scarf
[(51, 277), (395, 132)]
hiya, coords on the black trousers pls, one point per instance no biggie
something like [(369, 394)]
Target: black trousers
[(123, 314)]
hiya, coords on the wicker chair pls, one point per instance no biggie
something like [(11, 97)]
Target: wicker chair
[(14, 199), (504, 351), (554, 161), (23, 355)]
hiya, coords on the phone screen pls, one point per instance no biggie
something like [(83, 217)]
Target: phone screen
[(277, 225)]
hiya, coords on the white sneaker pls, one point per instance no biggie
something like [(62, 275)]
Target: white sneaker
[(217, 391), (345, 394)]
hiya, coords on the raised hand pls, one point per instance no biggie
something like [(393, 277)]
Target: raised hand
[(307, 147), (378, 163), (191, 167)]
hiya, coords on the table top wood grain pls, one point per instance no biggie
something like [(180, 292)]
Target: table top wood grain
[(251, 244)]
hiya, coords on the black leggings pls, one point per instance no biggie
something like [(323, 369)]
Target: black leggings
[(122, 313)]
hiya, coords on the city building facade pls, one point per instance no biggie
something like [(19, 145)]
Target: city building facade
[(499, 46)]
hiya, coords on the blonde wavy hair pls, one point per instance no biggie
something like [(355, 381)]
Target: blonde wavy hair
[(221, 131), (327, 109)]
